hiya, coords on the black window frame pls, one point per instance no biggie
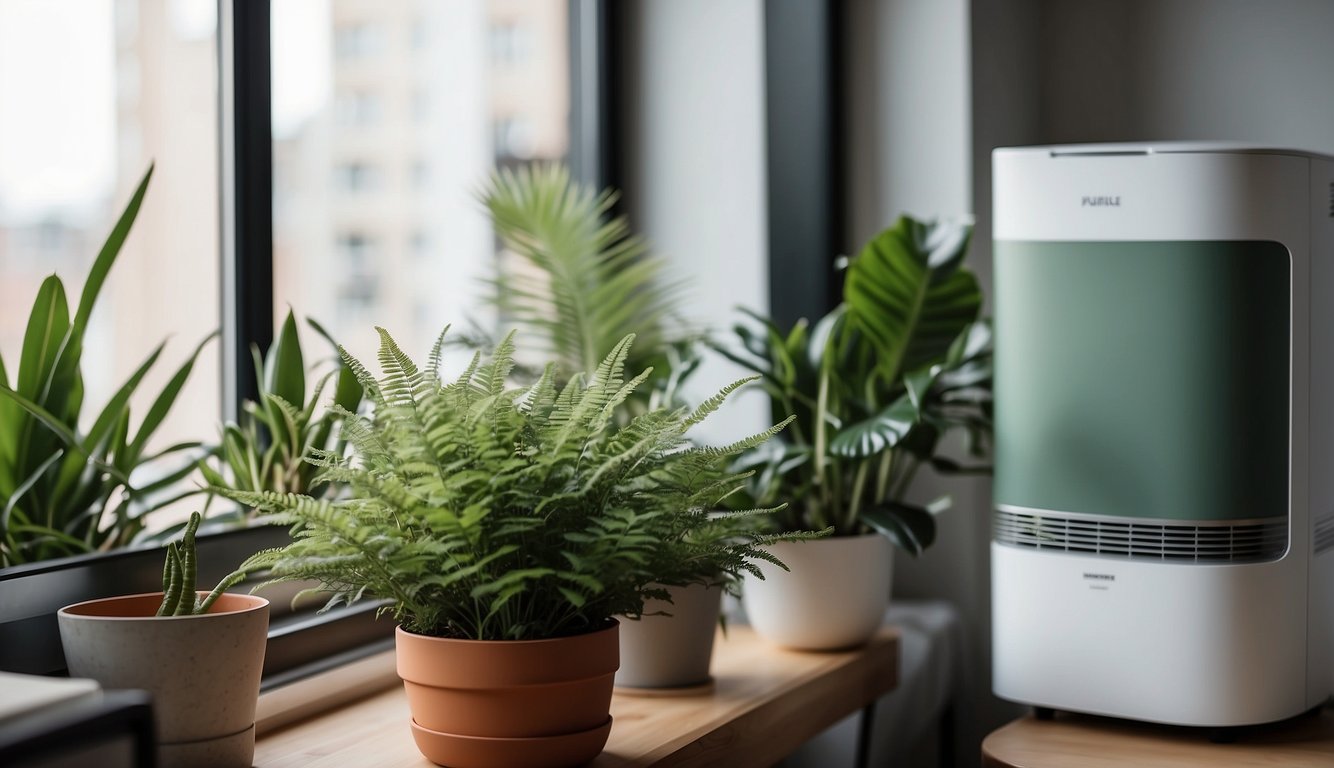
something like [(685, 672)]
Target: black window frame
[(301, 642)]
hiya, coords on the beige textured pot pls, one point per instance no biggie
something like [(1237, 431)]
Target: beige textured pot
[(510, 703), (834, 597), (203, 671), (671, 651)]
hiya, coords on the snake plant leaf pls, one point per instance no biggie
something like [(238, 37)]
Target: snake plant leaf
[(106, 257), (910, 527), (7, 436), (65, 387), (24, 487), (157, 412), (285, 366), (46, 333), (96, 442), (905, 293)]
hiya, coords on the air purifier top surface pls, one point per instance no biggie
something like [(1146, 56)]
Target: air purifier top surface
[(1161, 148)]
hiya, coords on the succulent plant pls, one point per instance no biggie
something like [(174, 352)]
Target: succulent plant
[(179, 597)]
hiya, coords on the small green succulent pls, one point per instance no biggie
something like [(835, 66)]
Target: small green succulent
[(179, 597)]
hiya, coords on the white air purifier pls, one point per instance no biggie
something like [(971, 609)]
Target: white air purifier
[(1163, 545)]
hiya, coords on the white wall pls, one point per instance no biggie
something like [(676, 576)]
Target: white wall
[(908, 112), (695, 167)]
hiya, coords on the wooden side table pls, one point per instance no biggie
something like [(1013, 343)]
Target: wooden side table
[(1084, 741), (763, 704)]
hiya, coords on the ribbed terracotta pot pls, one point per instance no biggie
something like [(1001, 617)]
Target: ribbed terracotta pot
[(834, 596), (509, 703), (203, 671), (671, 651)]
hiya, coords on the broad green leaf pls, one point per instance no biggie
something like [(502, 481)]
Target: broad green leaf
[(911, 528), (879, 433), (905, 294)]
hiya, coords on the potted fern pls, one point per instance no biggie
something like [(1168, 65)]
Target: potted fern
[(875, 385), (199, 654), (576, 279), (506, 527)]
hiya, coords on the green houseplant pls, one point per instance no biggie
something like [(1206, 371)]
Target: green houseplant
[(576, 280), (199, 654), (66, 484), (506, 527), (875, 386), (267, 450)]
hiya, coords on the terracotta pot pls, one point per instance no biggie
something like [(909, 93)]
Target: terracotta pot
[(512, 703), (203, 671), (834, 597), (671, 651)]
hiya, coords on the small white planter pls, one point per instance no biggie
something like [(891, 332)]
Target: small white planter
[(671, 651), (203, 671), (834, 597)]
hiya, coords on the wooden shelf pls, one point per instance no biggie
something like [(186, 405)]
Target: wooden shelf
[(1084, 741), (765, 703)]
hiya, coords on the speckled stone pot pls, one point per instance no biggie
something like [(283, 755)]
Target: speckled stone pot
[(203, 671), (671, 651)]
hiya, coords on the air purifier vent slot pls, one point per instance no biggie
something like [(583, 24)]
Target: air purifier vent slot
[(1211, 542), (1324, 534)]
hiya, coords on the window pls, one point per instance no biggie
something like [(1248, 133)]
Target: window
[(446, 117), (511, 43), (357, 40), (83, 117), (91, 91), (356, 177), (357, 108)]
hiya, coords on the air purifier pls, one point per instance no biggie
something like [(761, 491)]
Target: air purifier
[(1163, 531)]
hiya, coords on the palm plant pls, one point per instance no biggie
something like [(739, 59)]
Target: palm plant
[(582, 281), (66, 489), (489, 512), (875, 386), (267, 450)]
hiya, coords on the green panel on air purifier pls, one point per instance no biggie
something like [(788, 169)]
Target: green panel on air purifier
[(1143, 379)]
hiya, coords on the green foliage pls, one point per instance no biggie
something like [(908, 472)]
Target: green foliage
[(489, 512), (64, 490), (583, 281), (179, 596), (874, 386), (267, 451)]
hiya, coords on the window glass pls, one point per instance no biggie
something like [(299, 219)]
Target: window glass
[(388, 118), (91, 93)]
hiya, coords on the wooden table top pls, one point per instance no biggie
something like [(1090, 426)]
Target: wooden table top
[(1084, 741), (765, 702)]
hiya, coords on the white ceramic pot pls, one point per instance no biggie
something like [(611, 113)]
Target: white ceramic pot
[(671, 651), (834, 596), (203, 671)]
